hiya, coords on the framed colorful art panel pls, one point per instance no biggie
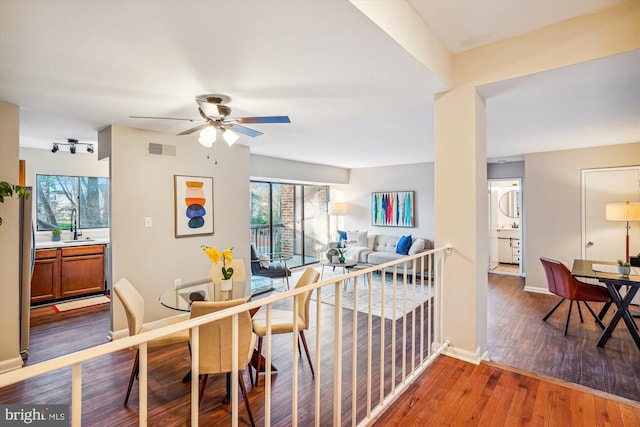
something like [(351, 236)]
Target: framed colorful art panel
[(393, 209), (193, 201)]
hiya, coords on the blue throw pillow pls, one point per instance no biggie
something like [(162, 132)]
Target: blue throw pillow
[(342, 238), (403, 245)]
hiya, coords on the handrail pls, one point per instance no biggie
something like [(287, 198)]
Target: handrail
[(75, 360)]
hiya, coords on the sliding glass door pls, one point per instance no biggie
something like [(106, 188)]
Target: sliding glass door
[(290, 219)]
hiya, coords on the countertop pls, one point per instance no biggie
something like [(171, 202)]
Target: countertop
[(69, 243)]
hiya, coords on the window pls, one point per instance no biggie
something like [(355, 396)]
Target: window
[(290, 219), (58, 195)]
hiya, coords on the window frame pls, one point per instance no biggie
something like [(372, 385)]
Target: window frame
[(63, 222)]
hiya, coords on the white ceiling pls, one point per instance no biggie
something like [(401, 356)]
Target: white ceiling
[(351, 92)]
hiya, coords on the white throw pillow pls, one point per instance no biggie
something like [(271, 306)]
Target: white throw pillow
[(416, 246), (352, 236), (371, 239), (264, 261), (361, 239)]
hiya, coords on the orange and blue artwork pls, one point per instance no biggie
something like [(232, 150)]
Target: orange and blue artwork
[(193, 205), (393, 209)]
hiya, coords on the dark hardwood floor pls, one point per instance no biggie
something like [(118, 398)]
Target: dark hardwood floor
[(517, 337)]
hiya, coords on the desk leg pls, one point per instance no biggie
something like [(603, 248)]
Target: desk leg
[(621, 313)]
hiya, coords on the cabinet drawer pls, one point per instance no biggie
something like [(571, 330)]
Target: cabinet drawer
[(83, 250), (46, 253), (515, 243)]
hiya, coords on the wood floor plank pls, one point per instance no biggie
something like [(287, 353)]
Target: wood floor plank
[(450, 392)]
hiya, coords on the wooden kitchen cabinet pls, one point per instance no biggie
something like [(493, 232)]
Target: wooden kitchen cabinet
[(45, 281), (67, 272)]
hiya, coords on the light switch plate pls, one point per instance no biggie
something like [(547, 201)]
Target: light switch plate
[(147, 222)]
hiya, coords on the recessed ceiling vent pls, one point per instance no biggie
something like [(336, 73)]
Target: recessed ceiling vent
[(163, 150)]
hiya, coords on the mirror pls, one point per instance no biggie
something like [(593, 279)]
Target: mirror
[(510, 204)]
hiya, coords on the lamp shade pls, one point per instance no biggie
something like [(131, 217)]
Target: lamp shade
[(622, 211), (337, 208)]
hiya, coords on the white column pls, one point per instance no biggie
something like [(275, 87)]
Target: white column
[(461, 217)]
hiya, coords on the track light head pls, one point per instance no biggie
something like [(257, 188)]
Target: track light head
[(72, 148), (55, 148), (90, 148)]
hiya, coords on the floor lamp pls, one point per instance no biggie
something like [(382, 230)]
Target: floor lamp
[(337, 209), (623, 212)]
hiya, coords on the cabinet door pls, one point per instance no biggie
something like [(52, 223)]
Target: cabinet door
[(45, 281), (81, 275), (504, 250)]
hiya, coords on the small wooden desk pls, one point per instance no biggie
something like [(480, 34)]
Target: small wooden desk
[(584, 268)]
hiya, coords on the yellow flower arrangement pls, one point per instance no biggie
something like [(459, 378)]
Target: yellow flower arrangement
[(215, 256)]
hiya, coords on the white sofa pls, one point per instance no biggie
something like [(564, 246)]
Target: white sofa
[(377, 249)]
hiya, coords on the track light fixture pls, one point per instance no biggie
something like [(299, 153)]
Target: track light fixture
[(72, 143)]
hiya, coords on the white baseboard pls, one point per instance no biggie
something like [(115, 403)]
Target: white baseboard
[(537, 290), (11, 364), (465, 355)]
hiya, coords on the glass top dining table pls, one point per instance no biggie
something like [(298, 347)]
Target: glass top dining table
[(180, 298)]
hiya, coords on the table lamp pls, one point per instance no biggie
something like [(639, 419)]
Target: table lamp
[(623, 212)]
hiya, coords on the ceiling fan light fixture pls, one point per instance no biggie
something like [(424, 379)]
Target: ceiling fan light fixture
[(230, 136), (207, 136)]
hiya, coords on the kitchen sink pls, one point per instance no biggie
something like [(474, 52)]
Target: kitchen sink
[(79, 241)]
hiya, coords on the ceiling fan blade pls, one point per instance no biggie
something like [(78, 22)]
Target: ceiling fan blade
[(267, 119), (244, 130), (163, 118), (194, 129)]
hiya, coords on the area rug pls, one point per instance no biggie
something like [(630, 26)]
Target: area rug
[(81, 303), (414, 299)]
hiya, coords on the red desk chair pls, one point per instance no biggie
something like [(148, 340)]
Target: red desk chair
[(563, 284)]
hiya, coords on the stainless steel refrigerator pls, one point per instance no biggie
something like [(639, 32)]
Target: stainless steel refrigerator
[(26, 261)]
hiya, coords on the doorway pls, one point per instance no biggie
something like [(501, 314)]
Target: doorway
[(601, 239), (505, 226)]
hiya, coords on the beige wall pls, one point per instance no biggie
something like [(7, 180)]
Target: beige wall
[(553, 203), (461, 217), (363, 181), (614, 30), (142, 186), (9, 255), (270, 168)]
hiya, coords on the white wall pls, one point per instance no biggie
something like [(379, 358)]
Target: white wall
[(272, 169), (142, 186), (362, 182), (40, 161), (553, 206), (9, 237), (61, 163)]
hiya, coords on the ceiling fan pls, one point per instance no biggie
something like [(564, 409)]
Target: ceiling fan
[(216, 117)]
